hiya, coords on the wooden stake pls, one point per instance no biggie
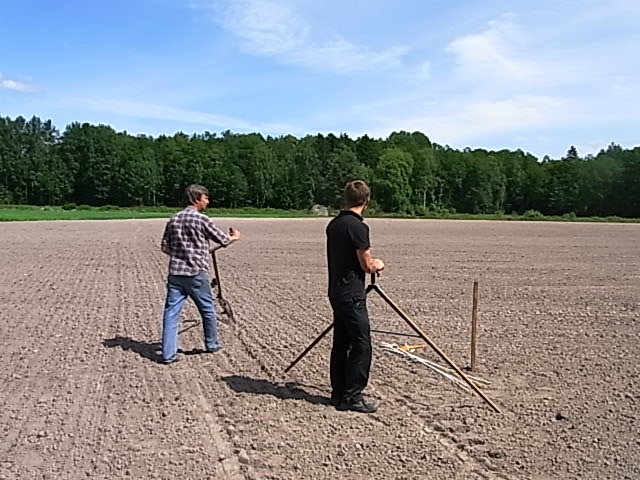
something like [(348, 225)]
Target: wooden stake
[(474, 325)]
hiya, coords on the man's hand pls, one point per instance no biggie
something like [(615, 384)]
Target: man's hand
[(234, 234), (367, 262), (378, 265)]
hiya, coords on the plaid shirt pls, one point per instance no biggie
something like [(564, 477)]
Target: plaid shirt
[(186, 240)]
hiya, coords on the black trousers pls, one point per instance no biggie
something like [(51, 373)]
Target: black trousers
[(351, 353)]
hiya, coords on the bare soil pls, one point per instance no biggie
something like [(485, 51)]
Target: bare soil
[(82, 394)]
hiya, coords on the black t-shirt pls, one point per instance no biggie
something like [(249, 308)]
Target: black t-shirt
[(346, 233)]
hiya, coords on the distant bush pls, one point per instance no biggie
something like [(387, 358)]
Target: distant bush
[(156, 208), (69, 206), (372, 210), (84, 206), (532, 214), (439, 211), (420, 211), (569, 216), (106, 208)]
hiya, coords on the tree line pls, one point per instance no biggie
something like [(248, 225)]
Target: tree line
[(95, 165)]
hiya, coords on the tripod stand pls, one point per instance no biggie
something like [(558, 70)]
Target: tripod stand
[(374, 287)]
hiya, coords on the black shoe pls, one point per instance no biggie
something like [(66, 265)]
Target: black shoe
[(362, 406), (169, 362)]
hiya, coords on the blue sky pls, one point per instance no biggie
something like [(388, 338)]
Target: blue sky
[(537, 75)]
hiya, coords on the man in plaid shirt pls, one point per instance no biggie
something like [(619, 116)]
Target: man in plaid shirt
[(186, 240)]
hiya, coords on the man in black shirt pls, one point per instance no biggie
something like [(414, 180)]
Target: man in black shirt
[(349, 259)]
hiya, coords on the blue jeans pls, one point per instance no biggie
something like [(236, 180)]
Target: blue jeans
[(178, 289)]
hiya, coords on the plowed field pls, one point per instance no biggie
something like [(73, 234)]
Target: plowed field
[(82, 395)]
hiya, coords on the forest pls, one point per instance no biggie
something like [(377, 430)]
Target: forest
[(95, 165)]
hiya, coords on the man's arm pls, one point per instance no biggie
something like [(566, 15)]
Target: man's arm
[(214, 233), (367, 262), (165, 245)]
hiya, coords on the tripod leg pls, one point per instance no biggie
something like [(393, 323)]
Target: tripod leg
[(320, 337), (215, 270), (435, 347)]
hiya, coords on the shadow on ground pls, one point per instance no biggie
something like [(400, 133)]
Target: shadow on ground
[(288, 391), (148, 350)]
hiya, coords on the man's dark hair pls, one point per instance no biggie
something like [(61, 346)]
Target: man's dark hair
[(356, 193), (193, 193)]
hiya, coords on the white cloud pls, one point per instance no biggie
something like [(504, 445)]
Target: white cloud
[(472, 121), (14, 85), (272, 29), (175, 115), (489, 54), (591, 146), (265, 27)]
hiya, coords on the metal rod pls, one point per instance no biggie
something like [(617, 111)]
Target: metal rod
[(434, 347), (399, 334), (433, 366), (215, 269), (474, 323), (313, 344), (193, 323), (327, 330)]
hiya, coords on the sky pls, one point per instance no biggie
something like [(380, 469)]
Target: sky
[(538, 76)]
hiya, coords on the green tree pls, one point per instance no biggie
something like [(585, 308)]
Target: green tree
[(425, 181), (391, 185), (630, 192), (483, 185), (453, 170), (92, 154), (564, 183), (139, 174), (340, 166)]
